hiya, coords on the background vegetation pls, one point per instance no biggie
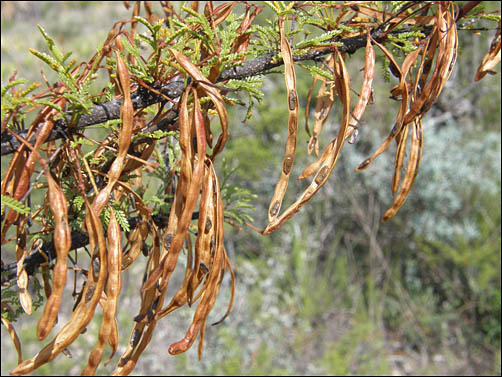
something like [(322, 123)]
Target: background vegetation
[(333, 291)]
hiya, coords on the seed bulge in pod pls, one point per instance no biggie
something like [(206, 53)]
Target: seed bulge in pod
[(363, 164), (90, 293), (287, 164), (354, 137), (275, 208), (324, 112), (321, 175), (135, 337), (208, 225), (312, 142), (292, 100)]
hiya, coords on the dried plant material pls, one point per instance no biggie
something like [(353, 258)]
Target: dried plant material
[(212, 92), (23, 180), (492, 57), (15, 339), (85, 309), (127, 116), (62, 244), (356, 114), (342, 82), (401, 139), (325, 101), (290, 78), (210, 293), (411, 169), (113, 286), (214, 59), (22, 275)]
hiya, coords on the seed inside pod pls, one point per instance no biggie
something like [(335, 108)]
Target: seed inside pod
[(275, 208), (287, 164), (208, 225), (213, 245), (321, 175), (89, 293), (204, 268), (292, 100), (167, 240), (324, 112), (354, 137), (312, 142), (135, 338), (364, 164)]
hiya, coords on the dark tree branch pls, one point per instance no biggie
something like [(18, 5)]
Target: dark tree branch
[(143, 98)]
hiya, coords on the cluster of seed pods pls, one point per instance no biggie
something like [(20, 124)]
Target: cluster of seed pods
[(422, 76)]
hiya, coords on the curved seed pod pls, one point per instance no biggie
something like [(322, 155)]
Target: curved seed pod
[(325, 101), (411, 171), (403, 91), (365, 93), (62, 244), (113, 286), (204, 233), (491, 58), (127, 116), (402, 139), (290, 77), (15, 339), (23, 180), (22, 275), (182, 296), (138, 237), (181, 189), (232, 293), (446, 56)]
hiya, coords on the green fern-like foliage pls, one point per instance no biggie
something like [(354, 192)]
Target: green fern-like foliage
[(15, 205)]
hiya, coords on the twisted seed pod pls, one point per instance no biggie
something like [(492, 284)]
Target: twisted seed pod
[(15, 339), (22, 275), (62, 244), (113, 286), (290, 78), (127, 116), (411, 170)]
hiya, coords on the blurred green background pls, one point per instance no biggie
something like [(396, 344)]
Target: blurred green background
[(333, 291)]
